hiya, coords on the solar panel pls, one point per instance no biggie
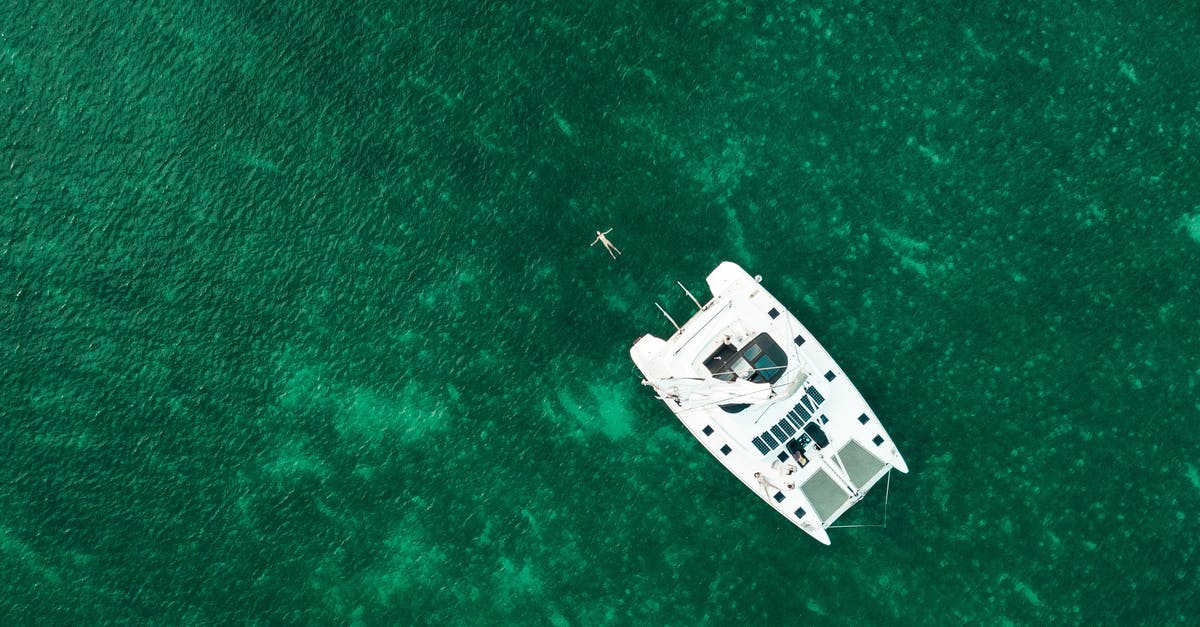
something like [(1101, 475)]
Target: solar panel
[(816, 395)]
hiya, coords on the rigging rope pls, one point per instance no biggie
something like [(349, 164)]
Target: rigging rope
[(886, 493)]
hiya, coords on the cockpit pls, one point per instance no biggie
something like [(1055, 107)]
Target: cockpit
[(761, 360)]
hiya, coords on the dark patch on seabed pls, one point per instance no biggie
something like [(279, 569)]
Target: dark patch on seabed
[(301, 325)]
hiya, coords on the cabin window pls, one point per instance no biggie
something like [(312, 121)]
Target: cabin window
[(764, 369)]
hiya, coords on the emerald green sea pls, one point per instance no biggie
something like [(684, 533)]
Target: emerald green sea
[(300, 324)]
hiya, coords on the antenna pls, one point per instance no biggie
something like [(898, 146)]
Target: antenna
[(685, 291), (664, 312)]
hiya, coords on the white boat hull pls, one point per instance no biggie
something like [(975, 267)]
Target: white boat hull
[(774, 443)]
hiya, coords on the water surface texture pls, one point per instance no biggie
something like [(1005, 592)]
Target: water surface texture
[(301, 325)]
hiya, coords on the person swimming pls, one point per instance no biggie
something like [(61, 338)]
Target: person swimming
[(600, 237)]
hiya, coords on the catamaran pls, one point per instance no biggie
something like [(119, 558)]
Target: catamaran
[(754, 386)]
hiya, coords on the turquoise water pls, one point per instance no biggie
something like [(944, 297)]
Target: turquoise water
[(301, 325)]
